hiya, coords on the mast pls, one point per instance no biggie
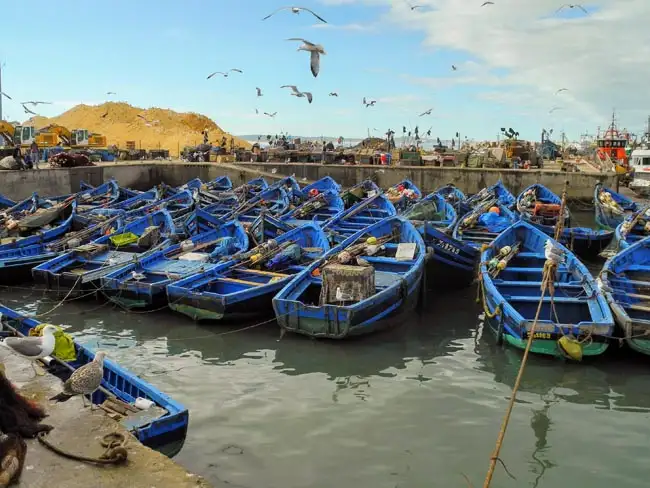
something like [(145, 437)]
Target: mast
[(1, 92)]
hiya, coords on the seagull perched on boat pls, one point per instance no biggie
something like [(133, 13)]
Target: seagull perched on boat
[(315, 49), (84, 381), (369, 103), (561, 90), (225, 75), (298, 93), (554, 109), (428, 112), (4, 94), (487, 3), (568, 5), (271, 115), (33, 348), (35, 103), (259, 92), (296, 10)]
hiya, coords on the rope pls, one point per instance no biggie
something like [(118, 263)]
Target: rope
[(480, 293), (114, 453)]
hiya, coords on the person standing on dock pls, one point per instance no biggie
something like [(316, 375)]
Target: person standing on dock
[(33, 154)]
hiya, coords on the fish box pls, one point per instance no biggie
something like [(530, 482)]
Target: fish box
[(347, 284)]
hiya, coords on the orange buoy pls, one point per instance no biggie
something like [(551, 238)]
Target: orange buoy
[(495, 210)]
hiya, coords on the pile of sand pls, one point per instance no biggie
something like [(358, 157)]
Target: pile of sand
[(159, 128)]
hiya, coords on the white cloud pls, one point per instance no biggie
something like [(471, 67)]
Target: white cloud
[(348, 27), (601, 57)]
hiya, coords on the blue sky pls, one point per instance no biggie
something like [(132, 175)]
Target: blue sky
[(158, 53)]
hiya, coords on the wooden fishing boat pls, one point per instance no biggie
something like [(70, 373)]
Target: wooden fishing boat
[(541, 207), (16, 263), (196, 222), (626, 285), (483, 224), (138, 201), (164, 428), (449, 263), (319, 208), (359, 192), (358, 285), (361, 215), (266, 227), (611, 208), (497, 191), (245, 285), (634, 228), (6, 202), (455, 197), (403, 195), (575, 319), (326, 183), (273, 201), (178, 204), (143, 284), (83, 267), (220, 183), (89, 198), (290, 187)]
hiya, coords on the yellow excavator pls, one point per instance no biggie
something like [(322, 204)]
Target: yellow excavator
[(6, 134), (55, 134)]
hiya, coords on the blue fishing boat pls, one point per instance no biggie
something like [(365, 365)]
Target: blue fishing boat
[(267, 227), (483, 224), (626, 285), (449, 263), (273, 201), (574, 318), (403, 195), (196, 222), (541, 207), (178, 204), (164, 432), (138, 201), (256, 185), (245, 285), (319, 208), (455, 197), (83, 267), (362, 214), (326, 183), (290, 187), (497, 191), (634, 228), (6, 202), (143, 284), (88, 198), (358, 285), (220, 183), (611, 208), (16, 263), (359, 192)]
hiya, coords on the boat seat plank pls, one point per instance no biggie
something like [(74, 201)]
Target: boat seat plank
[(570, 285), (547, 299), (242, 282), (385, 279), (630, 282), (259, 272)]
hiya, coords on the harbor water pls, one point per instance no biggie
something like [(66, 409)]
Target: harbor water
[(419, 405)]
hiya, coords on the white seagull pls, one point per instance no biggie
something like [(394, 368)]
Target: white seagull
[(554, 109), (296, 10), (297, 93), (271, 115), (259, 91), (561, 90), (111, 93), (27, 111), (4, 94), (35, 103), (568, 5), (315, 49), (370, 103), (225, 75), (487, 3), (428, 112), (334, 94), (33, 348)]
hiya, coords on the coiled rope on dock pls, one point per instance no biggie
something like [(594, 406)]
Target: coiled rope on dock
[(548, 279)]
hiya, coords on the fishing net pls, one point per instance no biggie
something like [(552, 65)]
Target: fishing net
[(424, 211), (343, 284)]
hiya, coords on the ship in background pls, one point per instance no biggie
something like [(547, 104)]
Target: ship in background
[(612, 145)]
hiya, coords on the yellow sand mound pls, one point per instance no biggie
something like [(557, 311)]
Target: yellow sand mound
[(150, 129)]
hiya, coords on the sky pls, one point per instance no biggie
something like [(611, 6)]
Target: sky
[(512, 57)]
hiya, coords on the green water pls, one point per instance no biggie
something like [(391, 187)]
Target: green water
[(417, 406)]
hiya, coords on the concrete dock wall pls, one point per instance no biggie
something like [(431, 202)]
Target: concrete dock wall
[(143, 175)]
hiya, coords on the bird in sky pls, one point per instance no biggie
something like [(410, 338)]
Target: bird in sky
[(259, 91), (33, 348), (271, 115), (35, 103), (28, 111), (4, 94), (427, 112), (111, 93), (225, 75), (453, 67), (568, 5), (296, 10), (257, 111), (315, 49), (487, 3), (297, 93), (334, 94), (561, 90), (554, 109), (413, 7), (85, 380), (369, 103)]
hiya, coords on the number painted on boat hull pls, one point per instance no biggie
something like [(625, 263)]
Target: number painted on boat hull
[(539, 335), (446, 246)]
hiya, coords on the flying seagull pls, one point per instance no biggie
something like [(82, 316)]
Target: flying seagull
[(84, 381), (568, 5), (369, 103), (4, 94), (271, 115), (111, 93), (561, 90), (487, 3), (334, 94), (413, 7), (454, 67), (27, 111), (259, 91), (33, 348), (35, 103), (554, 109), (315, 49), (257, 111), (297, 93), (296, 10), (428, 112), (225, 75)]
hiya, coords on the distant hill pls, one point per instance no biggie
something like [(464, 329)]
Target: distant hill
[(150, 128)]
